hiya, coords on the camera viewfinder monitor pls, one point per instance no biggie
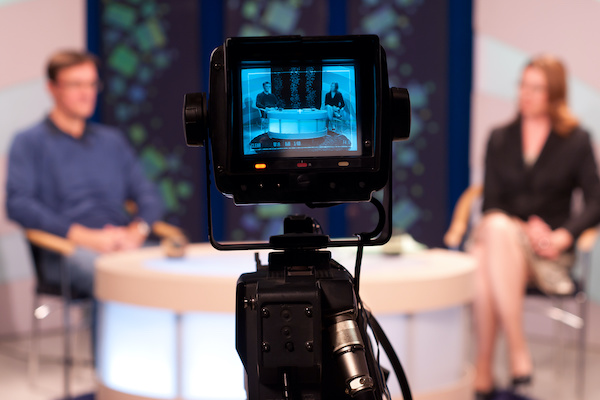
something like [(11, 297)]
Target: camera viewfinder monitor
[(299, 119)]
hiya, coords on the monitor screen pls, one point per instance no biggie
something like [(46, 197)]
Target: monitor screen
[(300, 111)]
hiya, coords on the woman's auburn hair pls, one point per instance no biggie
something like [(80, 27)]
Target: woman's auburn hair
[(562, 119)]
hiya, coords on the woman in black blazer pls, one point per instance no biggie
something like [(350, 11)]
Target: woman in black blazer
[(527, 232)]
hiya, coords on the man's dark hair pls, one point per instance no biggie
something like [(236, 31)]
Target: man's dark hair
[(68, 58), (266, 83)]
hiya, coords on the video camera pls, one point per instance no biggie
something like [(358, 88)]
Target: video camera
[(307, 120)]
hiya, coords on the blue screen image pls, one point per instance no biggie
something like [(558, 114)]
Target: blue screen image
[(299, 111)]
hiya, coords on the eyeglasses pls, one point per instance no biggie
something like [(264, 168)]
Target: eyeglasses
[(79, 85)]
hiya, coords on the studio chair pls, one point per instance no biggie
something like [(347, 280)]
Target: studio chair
[(558, 311), (454, 238), (264, 120), (41, 241), (338, 124)]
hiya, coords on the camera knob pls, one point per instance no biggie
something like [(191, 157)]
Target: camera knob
[(195, 119), (400, 113)]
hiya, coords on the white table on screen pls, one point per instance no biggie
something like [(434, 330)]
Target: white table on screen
[(303, 123)]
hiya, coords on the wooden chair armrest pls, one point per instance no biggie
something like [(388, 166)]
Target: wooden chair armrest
[(460, 216), (167, 231), (174, 241), (585, 242), (65, 247), (49, 241)]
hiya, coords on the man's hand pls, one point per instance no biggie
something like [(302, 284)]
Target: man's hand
[(110, 238), (546, 242), (134, 235), (103, 240)]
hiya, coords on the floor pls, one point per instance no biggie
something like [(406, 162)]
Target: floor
[(549, 382), (16, 381)]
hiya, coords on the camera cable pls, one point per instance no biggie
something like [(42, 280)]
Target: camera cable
[(392, 356), (378, 333)]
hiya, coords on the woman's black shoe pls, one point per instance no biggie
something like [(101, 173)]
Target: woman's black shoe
[(489, 395), (520, 383)]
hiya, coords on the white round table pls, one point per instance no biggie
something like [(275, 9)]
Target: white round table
[(303, 123), (167, 328)]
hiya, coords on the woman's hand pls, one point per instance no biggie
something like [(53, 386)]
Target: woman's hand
[(546, 242)]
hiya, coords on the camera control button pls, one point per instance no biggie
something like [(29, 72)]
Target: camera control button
[(286, 331)]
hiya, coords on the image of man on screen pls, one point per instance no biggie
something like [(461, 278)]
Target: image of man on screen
[(334, 103), (266, 100)]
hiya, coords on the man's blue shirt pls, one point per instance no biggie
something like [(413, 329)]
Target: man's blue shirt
[(55, 180)]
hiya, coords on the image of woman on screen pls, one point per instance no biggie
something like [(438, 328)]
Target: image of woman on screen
[(334, 103)]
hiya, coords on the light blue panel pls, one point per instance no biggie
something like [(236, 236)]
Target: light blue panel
[(395, 328), (137, 350), (15, 258), (594, 283), (440, 340), (501, 67), (7, 2), (432, 347), (211, 366), (22, 105)]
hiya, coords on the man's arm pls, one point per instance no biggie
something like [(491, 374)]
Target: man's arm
[(141, 190), (260, 100), (22, 203)]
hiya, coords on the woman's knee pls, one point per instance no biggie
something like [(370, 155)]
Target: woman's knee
[(497, 222)]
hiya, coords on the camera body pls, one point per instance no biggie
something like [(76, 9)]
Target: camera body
[(308, 120), (300, 156)]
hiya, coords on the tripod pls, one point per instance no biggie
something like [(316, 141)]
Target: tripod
[(299, 331)]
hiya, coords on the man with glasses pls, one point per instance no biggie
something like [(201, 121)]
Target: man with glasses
[(71, 177)]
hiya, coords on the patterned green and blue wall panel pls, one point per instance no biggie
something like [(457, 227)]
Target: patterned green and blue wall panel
[(150, 51), (414, 35)]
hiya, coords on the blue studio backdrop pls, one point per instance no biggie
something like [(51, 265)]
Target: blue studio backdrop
[(155, 51)]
